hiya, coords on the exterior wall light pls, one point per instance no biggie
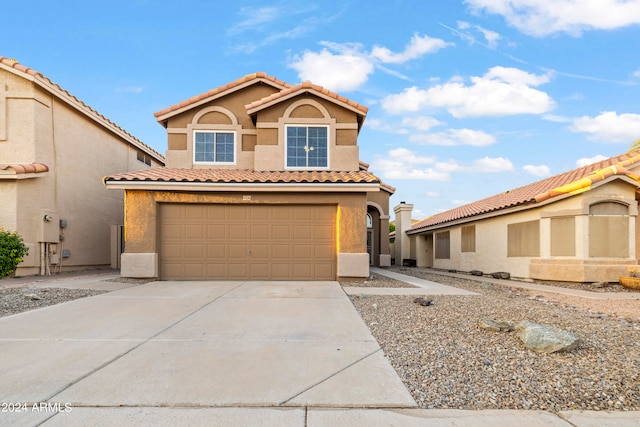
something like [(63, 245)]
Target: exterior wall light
[(47, 218)]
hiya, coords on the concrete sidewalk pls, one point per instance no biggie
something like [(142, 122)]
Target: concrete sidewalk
[(218, 353)]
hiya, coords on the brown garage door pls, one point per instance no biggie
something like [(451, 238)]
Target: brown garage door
[(247, 242)]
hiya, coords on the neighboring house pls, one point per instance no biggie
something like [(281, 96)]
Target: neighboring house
[(263, 181), (578, 226), (54, 152)]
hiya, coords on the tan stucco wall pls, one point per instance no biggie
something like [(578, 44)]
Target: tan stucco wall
[(491, 241), (79, 153), (142, 213)]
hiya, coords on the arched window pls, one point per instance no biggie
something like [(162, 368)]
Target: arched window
[(369, 221)]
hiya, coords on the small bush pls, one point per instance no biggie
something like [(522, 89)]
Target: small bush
[(12, 250)]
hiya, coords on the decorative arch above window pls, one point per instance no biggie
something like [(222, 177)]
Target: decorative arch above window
[(608, 208)]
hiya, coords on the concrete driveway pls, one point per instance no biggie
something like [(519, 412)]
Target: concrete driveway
[(174, 353)]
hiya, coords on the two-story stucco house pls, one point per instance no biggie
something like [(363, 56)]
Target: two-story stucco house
[(578, 226), (54, 152), (263, 181)]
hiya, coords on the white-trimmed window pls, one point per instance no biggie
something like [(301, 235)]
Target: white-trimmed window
[(214, 147), (307, 147)]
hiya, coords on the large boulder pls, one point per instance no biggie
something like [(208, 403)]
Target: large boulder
[(545, 339)]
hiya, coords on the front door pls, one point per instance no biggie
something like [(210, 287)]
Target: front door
[(370, 245)]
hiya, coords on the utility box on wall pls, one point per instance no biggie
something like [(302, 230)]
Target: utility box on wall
[(50, 226)]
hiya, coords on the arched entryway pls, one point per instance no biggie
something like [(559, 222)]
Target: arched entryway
[(377, 236)]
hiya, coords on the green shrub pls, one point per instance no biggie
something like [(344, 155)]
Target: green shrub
[(12, 249)]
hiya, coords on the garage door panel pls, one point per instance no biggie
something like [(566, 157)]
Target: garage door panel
[(238, 251), (216, 212), (194, 231), (238, 232), (257, 252), (324, 271), (194, 251), (280, 252), (259, 231), (258, 213), (302, 252), (240, 242), (216, 231), (216, 251), (194, 270), (195, 212), (259, 271), (238, 271), (303, 213), (323, 252), (172, 231), (302, 232), (237, 213), (281, 271)]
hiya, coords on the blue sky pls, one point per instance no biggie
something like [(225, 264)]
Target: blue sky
[(466, 98)]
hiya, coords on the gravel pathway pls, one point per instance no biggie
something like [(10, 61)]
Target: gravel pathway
[(447, 361)]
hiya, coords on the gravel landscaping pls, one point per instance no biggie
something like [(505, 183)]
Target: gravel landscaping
[(19, 299), (447, 361)]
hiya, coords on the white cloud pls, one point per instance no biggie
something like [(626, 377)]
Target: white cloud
[(491, 37), (540, 170), (452, 137), (492, 165), (347, 66), (590, 160), (636, 73), (417, 47), (254, 19), (344, 71), (608, 126), (401, 163), (383, 126), (423, 123), (544, 17), (556, 118), (500, 92)]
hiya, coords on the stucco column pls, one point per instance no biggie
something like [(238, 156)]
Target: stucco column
[(582, 237), (545, 238), (385, 256), (403, 223)]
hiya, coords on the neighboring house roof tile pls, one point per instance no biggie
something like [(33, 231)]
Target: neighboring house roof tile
[(24, 168), (55, 88), (219, 90), (304, 87), (243, 176), (572, 182)]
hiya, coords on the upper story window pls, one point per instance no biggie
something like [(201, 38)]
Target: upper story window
[(307, 147), (214, 147)]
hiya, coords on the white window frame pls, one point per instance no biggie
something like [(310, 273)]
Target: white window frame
[(286, 147), (235, 145)]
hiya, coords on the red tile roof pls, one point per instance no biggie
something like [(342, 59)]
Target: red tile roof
[(221, 89), (571, 182), (25, 168), (305, 87), (219, 176), (49, 85)]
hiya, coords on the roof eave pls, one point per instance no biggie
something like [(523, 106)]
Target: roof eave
[(360, 113), (162, 118), (348, 187)]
